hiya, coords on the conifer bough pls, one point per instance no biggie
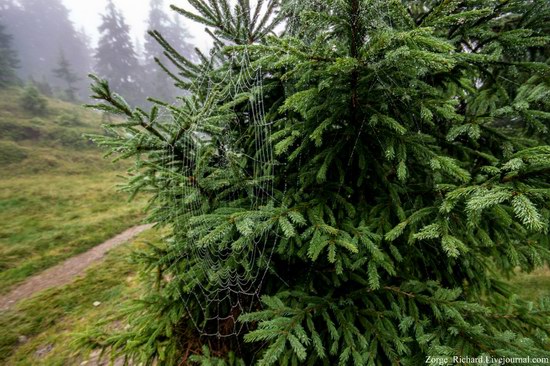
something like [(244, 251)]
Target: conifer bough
[(410, 176)]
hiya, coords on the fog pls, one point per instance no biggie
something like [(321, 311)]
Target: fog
[(57, 43), (87, 14)]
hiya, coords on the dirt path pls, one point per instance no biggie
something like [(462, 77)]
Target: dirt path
[(66, 271)]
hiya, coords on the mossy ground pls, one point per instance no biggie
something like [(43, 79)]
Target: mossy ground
[(58, 195), (58, 198), (42, 330)]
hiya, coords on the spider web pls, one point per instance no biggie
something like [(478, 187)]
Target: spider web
[(217, 283)]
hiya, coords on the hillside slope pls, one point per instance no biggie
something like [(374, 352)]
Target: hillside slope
[(58, 195), (49, 143)]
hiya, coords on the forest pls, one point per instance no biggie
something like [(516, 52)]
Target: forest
[(54, 54), (332, 182)]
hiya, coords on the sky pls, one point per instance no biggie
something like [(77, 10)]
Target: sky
[(86, 13)]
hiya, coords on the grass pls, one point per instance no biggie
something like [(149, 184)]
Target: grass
[(534, 285), (58, 195), (53, 143), (41, 330), (47, 220), (58, 198)]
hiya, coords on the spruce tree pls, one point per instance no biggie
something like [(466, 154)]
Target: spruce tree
[(8, 59), (356, 190), (43, 86), (65, 73), (115, 55)]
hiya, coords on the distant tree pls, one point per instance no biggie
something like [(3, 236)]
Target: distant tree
[(83, 69), (115, 55), (33, 101), (40, 28), (43, 86), (160, 85), (8, 59), (178, 37), (64, 72)]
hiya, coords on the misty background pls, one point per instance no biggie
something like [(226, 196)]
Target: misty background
[(55, 44)]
